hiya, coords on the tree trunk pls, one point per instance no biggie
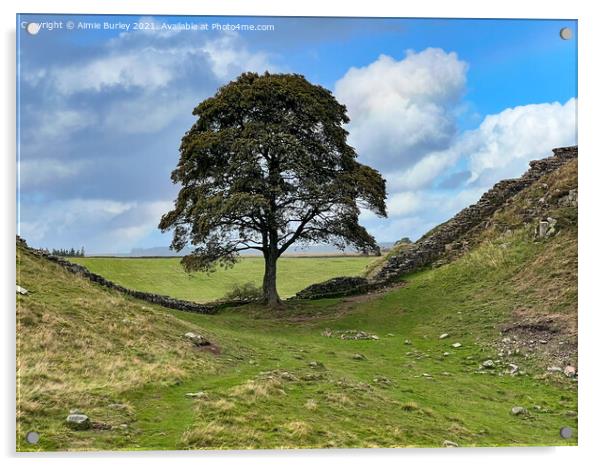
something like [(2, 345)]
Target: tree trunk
[(270, 293)]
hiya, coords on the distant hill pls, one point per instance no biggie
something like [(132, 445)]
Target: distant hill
[(164, 251)]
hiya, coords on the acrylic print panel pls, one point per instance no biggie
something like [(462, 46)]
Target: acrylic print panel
[(280, 232)]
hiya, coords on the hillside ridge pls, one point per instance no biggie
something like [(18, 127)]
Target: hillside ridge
[(447, 236)]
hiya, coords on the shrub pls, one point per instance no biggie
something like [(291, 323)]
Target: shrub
[(245, 292)]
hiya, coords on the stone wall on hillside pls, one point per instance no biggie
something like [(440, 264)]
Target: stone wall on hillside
[(336, 288), (165, 301), (434, 244)]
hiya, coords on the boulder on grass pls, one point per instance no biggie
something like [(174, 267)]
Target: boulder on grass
[(78, 421), (196, 339)]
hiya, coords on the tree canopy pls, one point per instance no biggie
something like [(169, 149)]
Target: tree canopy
[(267, 165)]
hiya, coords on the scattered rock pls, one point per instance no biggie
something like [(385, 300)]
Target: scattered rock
[(446, 354), (196, 395), (117, 406), (350, 334), (570, 200), (78, 421), (570, 371), (197, 339), (554, 369), (390, 334), (21, 290), (407, 342), (450, 444), (518, 410), (512, 369), (457, 345), (443, 335), (316, 365), (382, 380), (97, 425), (489, 364), (546, 227), (359, 357)]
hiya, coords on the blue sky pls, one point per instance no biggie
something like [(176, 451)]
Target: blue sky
[(443, 108)]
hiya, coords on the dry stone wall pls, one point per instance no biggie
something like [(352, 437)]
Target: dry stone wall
[(161, 300), (436, 243)]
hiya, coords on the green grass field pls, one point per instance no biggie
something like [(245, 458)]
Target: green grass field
[(166, 275), (278, 381)]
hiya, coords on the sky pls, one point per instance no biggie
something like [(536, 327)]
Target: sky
[(443, 108)]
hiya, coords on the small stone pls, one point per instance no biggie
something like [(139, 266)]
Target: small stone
[(506, 340), (488, 364), (196, 395), (101, 426), (443, 336), (512, 369), (197, 339), (570, 371), (446, 354), (390, 334), (359, 357), (450, 444), (457, 345), (117, 406), (21, 290), (554, 369), (407, 342), (316, 365), (518, 410), (78, 421)]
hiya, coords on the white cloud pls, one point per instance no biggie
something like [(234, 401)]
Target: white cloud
[(499, 148), (38, 172), (153, 65), (60, 123), (505, 142), (101, 225), (148, 113), (402, 110), (228, 57)]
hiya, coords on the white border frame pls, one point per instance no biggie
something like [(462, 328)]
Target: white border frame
[(590, 313)]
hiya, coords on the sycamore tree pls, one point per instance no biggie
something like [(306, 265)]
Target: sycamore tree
[(265, 166)]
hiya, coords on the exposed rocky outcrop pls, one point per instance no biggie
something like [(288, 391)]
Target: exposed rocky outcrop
[(453, 233)]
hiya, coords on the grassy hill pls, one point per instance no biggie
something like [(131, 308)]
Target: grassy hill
[(166, 275), (289, 378)]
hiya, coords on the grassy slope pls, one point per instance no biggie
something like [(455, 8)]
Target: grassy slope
[(262, 392), (166, 276), (77, 352)]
